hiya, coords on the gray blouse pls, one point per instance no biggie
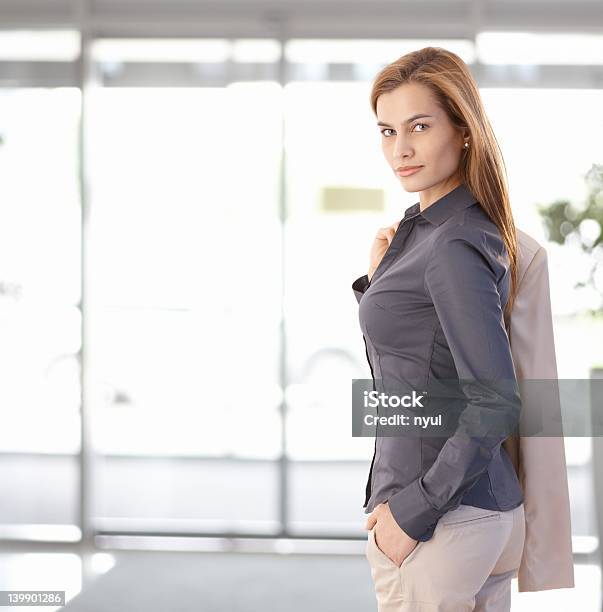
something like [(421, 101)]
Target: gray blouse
[(434, 310)]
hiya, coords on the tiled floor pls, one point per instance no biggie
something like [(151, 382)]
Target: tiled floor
[(209, 578)]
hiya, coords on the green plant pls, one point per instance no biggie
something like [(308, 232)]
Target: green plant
[(581, 226)]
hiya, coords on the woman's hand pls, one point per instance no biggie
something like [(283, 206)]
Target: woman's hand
[(389, 537), (381, 243)]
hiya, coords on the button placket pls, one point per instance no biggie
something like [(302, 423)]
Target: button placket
[(394, 248), (368, 487)]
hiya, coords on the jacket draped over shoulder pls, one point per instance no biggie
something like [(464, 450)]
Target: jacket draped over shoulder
[(547, 561)]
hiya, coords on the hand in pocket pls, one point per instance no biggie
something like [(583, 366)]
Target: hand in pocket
[(390, 539)]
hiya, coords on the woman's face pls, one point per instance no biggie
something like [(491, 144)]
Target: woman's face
[(429, 141)]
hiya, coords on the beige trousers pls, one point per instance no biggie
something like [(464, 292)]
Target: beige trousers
[(467, 564)]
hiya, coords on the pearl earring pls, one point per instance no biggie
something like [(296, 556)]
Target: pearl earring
[(466, 145)]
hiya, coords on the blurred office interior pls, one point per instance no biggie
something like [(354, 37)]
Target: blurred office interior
[(187, 191)]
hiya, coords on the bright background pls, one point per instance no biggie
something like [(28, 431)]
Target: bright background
[(178, 330)]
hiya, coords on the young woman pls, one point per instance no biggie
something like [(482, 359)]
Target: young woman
[(446, 525)]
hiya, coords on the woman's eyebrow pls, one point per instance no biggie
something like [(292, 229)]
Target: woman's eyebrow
[(419, 116)]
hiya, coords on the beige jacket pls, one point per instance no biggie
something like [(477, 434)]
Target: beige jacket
[(547, 561)]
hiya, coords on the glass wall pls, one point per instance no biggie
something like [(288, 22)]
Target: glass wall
[(232, 198), (40, 316), (185, 298)]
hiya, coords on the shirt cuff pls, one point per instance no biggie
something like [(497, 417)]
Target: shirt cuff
[(360, 285), (413, 513)]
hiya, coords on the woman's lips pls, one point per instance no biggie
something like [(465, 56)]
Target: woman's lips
[(408, 171)]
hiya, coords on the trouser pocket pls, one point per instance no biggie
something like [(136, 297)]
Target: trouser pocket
[(386, 577), (469, 515)]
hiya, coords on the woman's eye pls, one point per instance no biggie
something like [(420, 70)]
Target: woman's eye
[(412, 129)]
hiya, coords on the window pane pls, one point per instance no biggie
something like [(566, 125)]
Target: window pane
[(186, 300), (39, 317)]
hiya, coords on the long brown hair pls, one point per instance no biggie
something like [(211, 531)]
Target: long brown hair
[(482, 165)]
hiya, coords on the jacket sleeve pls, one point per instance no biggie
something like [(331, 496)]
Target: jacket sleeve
[(547, 562), (462, 278), (360, 285)]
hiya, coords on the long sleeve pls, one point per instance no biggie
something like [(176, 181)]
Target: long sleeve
[(462, 278)]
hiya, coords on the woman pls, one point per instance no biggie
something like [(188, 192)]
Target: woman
[(446, 524)]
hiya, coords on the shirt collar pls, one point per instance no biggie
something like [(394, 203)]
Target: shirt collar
[(457, 199)]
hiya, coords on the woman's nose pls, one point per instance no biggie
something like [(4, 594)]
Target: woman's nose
[(399, 148)]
